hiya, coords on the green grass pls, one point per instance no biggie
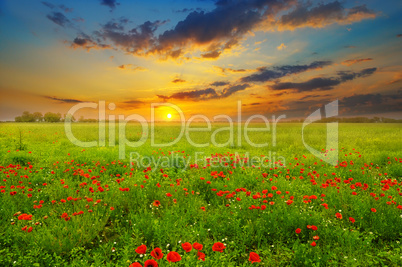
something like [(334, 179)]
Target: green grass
[(203, 207)]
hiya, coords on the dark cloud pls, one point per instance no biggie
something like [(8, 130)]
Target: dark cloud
[(194, 95), (88, 44), (399, 35), (110, 3), (186, 10), (58, 18), (219, 83), (371, 103), (49, 5), (206, 94), (65, 9), (63, 100), (178, 80), (323, 15), (136, 41), (212, 54), (62, 7), (322, 84), (264, 74), (225, 26)]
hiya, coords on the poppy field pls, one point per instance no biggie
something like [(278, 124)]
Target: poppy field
[(236, 205)]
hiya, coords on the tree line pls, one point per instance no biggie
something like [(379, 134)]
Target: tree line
[(38, 117)]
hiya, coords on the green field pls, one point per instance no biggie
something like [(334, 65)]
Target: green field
[(92, 207)]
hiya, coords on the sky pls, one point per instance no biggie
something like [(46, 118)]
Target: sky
[(278, 57)]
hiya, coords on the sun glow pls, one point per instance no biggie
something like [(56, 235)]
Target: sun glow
[(169, 116)]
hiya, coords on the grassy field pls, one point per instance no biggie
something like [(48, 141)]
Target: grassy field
[(62, 204)]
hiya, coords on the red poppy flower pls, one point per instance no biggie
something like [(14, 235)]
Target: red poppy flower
[(168, 194), (156, 203), (298, 231), (150, 263), (338, 215), (316, 237), (218, 246), (197, 246), (352, 220), (157, 253), (201, 256), (30, 229), (314, 228), (173, 256), (254, 257), (187, 247), (313, 244), (135, 264), (141, 249), (373, 210)]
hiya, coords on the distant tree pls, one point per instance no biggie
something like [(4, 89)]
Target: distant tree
[(52, 117), (27, 117), (38, 116), (69, 116), (18, 119)]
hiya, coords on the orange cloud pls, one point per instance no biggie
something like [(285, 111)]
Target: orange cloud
[(350, 62)]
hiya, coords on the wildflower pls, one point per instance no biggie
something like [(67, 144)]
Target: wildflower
[(218, 246), (173, 256), (373, 210), (298, 231), (150, 263), (157, 253), (197, 246), (352, 220), (338, 215), (187, 247), (254, 257), (141, 249), (201, 256), (313, 244)]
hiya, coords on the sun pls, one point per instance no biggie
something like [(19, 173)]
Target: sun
[(169, 116)]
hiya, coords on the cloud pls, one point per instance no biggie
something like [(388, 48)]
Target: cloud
[(62, 7), (399, 35), (65, 9), (63, 100), (322, 84), (178, 80), (58, 18), (206, 94), (110, 3), (219, 83), (212, 54), (264, 74), (224, 27), (350, 46), (132, 104), (371, 103), (230, 70), (131, 67), (281, 47), (86, 43), (323, 15), (350, 62)]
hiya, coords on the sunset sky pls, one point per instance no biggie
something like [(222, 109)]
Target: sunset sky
[(277, 56)]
